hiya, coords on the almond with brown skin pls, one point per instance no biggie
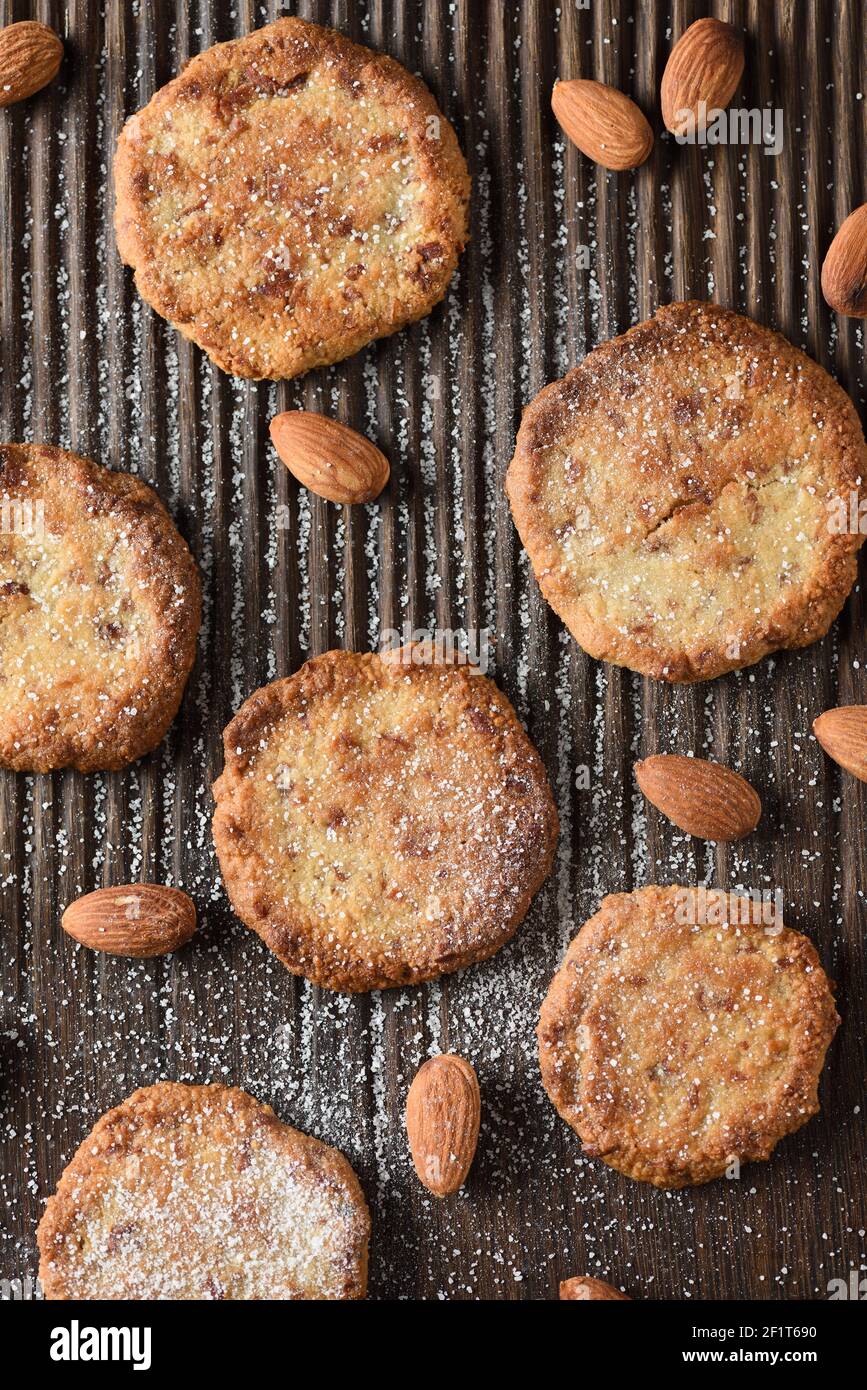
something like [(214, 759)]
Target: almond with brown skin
[(30, 57), (705, 65), (443, 1109), (591, 1290), (603, 122), (844, 272), (705, 799), (842, 733), (137, 919), (329, 458)]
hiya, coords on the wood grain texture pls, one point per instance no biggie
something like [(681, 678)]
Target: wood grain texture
[(85, 364)]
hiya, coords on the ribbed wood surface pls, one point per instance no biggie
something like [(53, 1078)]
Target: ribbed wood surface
[(85, 364)]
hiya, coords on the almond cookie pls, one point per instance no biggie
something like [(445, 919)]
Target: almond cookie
[(679, 1049), (290, 197), (381, 823), (680, 494), (100, 604), (199, 1192)]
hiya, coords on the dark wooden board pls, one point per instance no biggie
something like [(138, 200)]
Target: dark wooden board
[(86, 365)]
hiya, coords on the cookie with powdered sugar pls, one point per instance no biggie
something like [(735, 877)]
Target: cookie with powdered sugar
[(100, 605), (289, 197), (200, 1192), (679, 1049), (680, 493), (380, 821)]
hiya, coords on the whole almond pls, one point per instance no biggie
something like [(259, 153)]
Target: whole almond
[(705, 65), (844, 272), (30, 57), (603, 122), (588, 1290), (705, 799), (442, 1122), (138, 919), (842, 733), (329, 458)]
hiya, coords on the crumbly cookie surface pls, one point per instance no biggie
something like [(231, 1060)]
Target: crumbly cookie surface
[(674, 493), (199, 1192), (100, 605), (379, 823), (673, 1049), (290, 197)]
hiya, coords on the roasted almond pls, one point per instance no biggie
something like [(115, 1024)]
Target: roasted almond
[(329, 458), (603, 122), (844, 272), (842, 733), (591, 1289), (705, 66), (138, 919), (705, 799), (442, 1122), (30, 57)]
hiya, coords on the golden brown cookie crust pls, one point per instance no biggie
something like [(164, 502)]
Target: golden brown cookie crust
[(673, 1049), (200, 1192), (380, 824), (100, 606), (290, 197), (585, 1289), (673, 494)]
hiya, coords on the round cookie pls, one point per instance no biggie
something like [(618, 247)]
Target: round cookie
[(380, 823), (199, 1192), (674, 1049), (100, 605), (679, 494), (290, 197)]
